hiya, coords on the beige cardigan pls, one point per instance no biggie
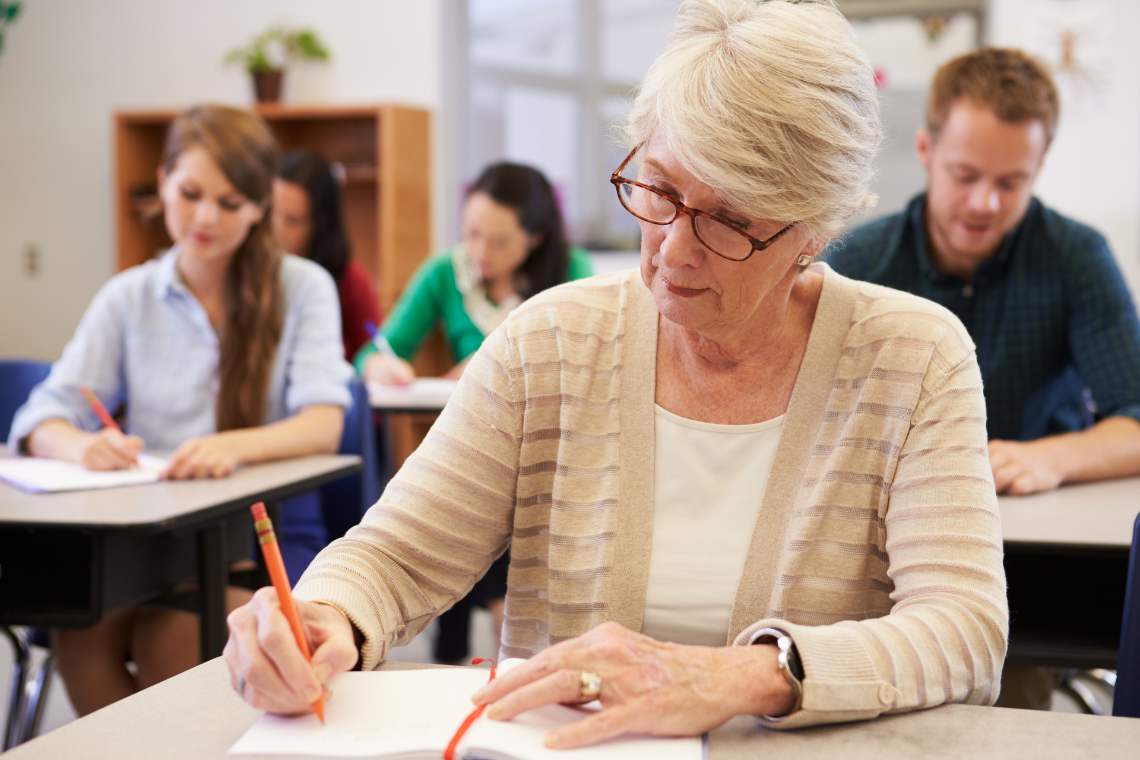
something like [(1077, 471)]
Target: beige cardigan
[(877, 547)]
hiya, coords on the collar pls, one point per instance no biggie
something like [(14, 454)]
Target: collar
[(167, 282), (992, 268)]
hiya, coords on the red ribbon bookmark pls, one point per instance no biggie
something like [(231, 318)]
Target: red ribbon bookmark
[(449, 752)]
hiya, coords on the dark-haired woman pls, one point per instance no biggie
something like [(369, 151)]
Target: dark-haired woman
[(222, 350), (307, 221), (513, 246)]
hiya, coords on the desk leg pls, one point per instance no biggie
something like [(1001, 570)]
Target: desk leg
[(212, 588)]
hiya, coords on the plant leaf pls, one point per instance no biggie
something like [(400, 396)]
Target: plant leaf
[(12, 11)]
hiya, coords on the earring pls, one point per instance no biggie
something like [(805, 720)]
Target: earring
[(804, 260)]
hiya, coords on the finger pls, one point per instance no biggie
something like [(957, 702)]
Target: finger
[(1008, 473), (126, 448), (556, 688), (538, 667), (610, 722), (1024, 484), (280, 646), (253, 676)]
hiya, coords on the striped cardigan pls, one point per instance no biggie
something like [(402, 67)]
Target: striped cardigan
[(877, 545)]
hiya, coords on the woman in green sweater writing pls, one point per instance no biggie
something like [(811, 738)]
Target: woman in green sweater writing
[(513, 246)]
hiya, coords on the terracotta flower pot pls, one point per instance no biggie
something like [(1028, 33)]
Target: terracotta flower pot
[(267, 85)]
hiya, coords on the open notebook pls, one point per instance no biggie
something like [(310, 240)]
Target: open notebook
[(428, 393), (51, 475), (408, 714)]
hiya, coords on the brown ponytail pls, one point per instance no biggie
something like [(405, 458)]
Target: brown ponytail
[(244, 149)]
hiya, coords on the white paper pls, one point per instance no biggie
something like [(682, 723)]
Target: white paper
[(428, 393), (51, 475), (414, 713)]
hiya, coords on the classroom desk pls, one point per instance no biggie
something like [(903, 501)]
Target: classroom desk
[(67, 559), (1066, 558), (196, 715)]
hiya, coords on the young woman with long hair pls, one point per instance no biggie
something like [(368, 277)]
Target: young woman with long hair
[(222, 350)]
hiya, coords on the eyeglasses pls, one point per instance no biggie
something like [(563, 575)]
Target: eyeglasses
[(652, 204)]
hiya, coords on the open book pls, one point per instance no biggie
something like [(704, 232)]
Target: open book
[(51, 475), (408, 714), (427, 393)]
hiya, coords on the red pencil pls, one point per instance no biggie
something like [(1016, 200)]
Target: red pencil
[(276, 567), (99, 409)]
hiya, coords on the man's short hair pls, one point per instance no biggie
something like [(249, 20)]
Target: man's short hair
[(1013, 84)]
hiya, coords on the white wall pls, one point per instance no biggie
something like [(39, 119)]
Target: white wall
[(66, 66), (1092, 172)]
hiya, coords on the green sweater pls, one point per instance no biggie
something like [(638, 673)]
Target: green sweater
[(433, 297)]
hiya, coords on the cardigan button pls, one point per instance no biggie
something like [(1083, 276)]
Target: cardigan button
[(887, 694)]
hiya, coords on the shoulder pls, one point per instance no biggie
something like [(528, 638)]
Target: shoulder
[(302, 280), (132, 288), (581, 265), (1070, 243), (356, 280), (590, 306), (884, 320), (866, 251)]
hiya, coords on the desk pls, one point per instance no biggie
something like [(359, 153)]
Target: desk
[(66, 559), (196, 715), (1066, 558), (411, 411)]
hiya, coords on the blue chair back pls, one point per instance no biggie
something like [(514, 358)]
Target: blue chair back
[(344, 501), (17, 379), (1126, 699)]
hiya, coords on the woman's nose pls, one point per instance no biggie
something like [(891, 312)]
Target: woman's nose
[(680, 245)]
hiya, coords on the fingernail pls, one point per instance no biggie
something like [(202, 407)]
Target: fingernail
[(554, 741), (477, 697), (495, 712)]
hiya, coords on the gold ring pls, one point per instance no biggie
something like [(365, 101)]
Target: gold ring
[(589, 685)]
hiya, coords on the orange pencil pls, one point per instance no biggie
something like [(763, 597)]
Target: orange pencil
[(99, 409), (276, 567)]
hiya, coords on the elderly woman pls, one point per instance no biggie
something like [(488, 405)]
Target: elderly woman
[(732, 483)]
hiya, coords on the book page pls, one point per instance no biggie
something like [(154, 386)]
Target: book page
[(414, 713), (378, 714), (430, 393), (52, 475)]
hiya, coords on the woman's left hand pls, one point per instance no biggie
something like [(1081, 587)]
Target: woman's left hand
[(647, 686), (212, 456)]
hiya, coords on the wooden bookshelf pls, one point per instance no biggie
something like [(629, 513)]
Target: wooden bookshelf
[(386, 154)]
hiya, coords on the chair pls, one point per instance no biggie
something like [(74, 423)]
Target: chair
[(344, 501), (1126, 700), (26, 700)]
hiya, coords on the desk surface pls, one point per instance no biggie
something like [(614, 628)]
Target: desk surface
[(424, 394), (196, 715), (160, 504), (1089, 514)]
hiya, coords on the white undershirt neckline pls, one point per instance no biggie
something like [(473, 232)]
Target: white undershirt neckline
[(709, 482)]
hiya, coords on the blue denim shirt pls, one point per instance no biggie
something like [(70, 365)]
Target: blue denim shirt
[(1055, 326), (146, 342)]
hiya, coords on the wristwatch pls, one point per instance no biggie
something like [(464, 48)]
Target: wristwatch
[(787, 661)]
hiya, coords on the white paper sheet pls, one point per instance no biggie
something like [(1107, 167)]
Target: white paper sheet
[(413, 713), (51, 475), (427, 393)]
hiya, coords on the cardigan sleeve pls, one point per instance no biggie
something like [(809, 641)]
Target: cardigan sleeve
[(944, 639), (442, 520)]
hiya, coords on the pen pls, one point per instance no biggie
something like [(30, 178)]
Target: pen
[(276, 567), (99, 409), (378, 339)]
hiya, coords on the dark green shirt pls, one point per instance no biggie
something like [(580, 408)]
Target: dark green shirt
[(432, 297), (1055, 326)]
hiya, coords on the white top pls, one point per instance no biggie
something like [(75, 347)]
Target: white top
[(708, 484)]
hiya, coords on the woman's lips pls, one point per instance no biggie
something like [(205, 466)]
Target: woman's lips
[(202, 238), (680, 291)]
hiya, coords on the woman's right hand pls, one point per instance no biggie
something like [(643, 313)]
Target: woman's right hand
[(266, 666), (385, 369), (109, 449)]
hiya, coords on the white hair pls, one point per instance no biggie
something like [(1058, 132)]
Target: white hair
[(770, 103)]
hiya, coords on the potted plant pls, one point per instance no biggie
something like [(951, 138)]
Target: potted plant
[(266, 55), (9, 10)]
